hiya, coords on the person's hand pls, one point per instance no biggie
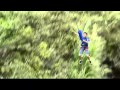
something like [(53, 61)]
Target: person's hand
[(73, 34)]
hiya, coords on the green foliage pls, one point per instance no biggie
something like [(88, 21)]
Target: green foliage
[(42, 45)]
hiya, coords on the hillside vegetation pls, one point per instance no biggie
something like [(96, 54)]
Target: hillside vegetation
[(40, 44)]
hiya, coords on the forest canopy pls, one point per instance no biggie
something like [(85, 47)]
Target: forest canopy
[(40, 44)]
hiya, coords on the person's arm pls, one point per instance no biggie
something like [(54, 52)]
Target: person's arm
[(86, 41)]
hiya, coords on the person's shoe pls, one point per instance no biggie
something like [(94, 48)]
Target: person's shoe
[(80, 61), (90, 62)]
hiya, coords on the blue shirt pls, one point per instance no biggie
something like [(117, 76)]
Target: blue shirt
[(80, 33), (84, 43)]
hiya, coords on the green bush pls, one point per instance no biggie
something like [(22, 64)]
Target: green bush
[(40, 44)]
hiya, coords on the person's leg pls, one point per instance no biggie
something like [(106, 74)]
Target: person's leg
[(87, 54), (80, 59), (80, 54)]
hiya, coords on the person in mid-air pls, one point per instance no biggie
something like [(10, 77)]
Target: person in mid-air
[(84, 46)]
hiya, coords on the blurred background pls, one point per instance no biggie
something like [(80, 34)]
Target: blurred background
[(40, 44)]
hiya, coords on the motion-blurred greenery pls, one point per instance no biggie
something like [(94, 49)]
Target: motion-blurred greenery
[(40, 44)]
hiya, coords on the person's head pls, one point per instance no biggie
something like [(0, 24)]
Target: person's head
[(85, 34)]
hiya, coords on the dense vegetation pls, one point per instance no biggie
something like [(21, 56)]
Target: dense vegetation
[(42, 45)]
